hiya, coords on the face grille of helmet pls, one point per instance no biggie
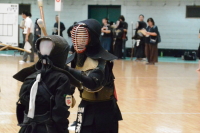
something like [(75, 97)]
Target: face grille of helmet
[(80, 38)]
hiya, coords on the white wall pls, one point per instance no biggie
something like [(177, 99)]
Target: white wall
[(177, 32)]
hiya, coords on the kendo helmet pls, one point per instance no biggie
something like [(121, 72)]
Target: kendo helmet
[(55, 48), (85, 38)]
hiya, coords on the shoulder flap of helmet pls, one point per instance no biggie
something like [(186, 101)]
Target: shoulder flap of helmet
[(24, 73)]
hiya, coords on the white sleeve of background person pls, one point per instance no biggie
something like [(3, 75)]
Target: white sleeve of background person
[(29, 23), (32, 27), (25, 23)]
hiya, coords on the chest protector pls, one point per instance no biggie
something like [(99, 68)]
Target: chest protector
[(104, 92)]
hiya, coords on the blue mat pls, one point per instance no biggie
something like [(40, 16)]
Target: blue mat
[(9, 53), (171, 60)]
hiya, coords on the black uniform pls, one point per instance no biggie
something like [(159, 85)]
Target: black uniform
[(37, 33), (106, 39), (124, 39), (98, 111), (58, 87), (51, 111), (62, 28), (139, 50), (118, 41)]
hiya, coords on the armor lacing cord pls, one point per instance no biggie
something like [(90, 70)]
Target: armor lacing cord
[(46, 64)]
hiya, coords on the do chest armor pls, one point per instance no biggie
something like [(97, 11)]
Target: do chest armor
[(102, 93)]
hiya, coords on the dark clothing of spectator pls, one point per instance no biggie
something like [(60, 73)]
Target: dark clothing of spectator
[(151, 48), (37, 33), (106, 39), (139, 50), (118, 41), (62, 28), (124, 39)]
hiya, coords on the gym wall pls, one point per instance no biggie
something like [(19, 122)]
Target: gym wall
[(177, 31)]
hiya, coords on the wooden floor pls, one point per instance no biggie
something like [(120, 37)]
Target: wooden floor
[(153, 99)]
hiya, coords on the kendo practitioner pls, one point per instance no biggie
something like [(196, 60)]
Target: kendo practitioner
[(98, 111), (139, 48), (43, 99)]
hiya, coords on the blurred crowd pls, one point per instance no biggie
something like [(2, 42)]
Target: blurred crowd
[(113, 37)]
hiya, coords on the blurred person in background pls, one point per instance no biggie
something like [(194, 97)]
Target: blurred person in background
[(151, 47), (37, 32), (106, 35), (124, 38), (118, 35), (22, 25), (139, 48), (112, 26), (28, 35), (62, 27)]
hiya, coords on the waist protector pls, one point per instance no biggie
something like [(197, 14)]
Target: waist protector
[(104, 94)]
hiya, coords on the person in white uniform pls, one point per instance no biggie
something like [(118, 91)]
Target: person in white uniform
[(28, 35)]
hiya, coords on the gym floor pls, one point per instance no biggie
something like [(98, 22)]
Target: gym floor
[(164, 98)]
